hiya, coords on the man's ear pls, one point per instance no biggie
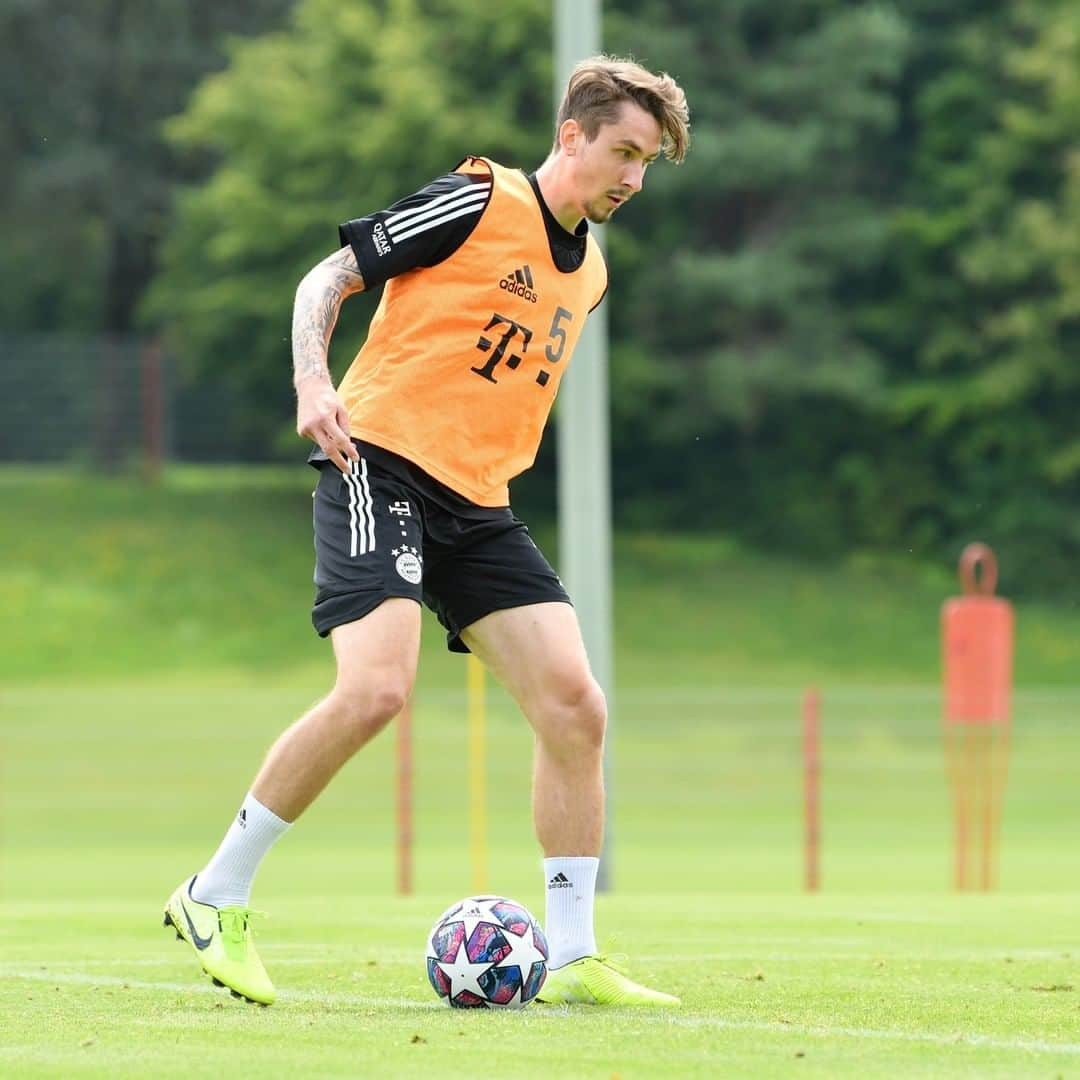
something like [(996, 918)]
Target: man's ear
[(570, 137)]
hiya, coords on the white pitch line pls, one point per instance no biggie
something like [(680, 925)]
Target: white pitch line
[(79, 978), (959, 1039), (809, 1031), (334, 962), (748, 954), (322, 959)]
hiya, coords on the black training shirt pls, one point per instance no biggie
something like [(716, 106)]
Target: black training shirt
[(428, 226)]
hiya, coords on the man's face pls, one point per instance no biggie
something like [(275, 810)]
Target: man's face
[(611, 168)]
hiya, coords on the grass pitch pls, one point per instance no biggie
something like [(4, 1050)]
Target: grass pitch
[(155, 653), (112, 795)]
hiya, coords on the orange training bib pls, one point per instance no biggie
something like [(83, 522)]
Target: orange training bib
[(463, 359)]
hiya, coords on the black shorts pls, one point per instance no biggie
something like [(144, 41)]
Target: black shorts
[(390, 529)]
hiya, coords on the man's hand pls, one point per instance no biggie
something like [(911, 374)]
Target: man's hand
[(321, 417)]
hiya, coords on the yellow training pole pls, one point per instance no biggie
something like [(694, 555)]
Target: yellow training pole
[(405, 800), (477, 775)]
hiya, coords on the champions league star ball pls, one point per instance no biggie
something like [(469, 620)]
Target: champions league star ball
[(487, 952)]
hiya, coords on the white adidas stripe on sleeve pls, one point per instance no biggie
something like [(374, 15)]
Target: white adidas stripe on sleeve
[(393, 221), (472, 208), (431, 217)]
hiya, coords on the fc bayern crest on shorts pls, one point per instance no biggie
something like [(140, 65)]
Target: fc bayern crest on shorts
[(409, 564)]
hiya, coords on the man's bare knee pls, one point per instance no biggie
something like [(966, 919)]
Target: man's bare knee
[(365, 708), (572, 716)]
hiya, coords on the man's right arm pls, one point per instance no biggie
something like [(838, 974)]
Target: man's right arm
[(320, 413), (420, 230)]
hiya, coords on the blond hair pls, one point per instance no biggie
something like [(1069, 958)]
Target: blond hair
[(599, 86)]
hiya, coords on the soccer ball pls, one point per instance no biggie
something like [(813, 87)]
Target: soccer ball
[(487, 952)]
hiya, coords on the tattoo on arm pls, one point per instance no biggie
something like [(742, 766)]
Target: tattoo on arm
[(315, 312)]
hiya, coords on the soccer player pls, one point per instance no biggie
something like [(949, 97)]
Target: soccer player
[(489, 275)]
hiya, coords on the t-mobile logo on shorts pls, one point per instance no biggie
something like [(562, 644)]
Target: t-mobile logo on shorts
[(400, 508)]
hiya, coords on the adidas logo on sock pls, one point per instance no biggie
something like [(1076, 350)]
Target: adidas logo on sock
[(560, 881), (520, 283), (241, 818)]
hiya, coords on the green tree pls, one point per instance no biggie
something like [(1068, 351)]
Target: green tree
[(983, 320), (347, 110), (85, 176), (740, 368)]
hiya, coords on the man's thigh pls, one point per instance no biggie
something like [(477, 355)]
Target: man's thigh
[(379, 652), (481, 565), (535, 651)]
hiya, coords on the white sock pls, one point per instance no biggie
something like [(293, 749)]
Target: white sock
[(568, 917), (226, 879)]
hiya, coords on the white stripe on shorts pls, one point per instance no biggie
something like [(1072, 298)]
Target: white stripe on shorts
[(368, 510), (350, 483), (361, 516)]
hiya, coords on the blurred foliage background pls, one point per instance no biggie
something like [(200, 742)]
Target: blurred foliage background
[(849, 322)]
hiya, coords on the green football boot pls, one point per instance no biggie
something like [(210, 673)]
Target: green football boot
[(222, 940), (599, 980)]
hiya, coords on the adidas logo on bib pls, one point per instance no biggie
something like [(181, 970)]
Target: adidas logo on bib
[(520, 283)]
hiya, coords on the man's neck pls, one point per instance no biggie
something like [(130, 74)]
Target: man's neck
[(556, 193)]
